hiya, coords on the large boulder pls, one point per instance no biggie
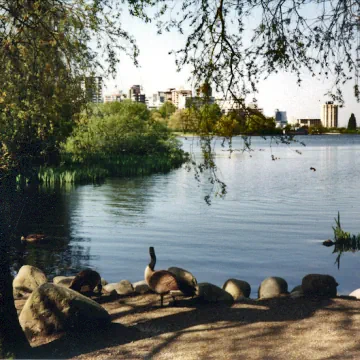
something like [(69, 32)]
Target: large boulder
[(124, 287), (186, 280), (27, 280), (52, 308), (319, 285), (213, 294), (63, 280), (141, 287), (238, 289), (356, 293), (272, 287), (66, 281)]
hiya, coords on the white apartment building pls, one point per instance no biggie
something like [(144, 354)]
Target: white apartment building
[(226, 105), (178, 97), (118, 96), (329, 114)]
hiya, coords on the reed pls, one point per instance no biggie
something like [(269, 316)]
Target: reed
[(98, 167)]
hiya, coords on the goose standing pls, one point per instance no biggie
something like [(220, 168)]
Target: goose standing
[(87, 277), (161, 282)]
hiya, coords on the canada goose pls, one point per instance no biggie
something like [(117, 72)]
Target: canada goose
[(161, 281), (35, 238), (89, 278)]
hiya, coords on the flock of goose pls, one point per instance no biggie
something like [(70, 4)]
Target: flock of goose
[(161, 282)]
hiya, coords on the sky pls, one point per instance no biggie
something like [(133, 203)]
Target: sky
[(157, 72)]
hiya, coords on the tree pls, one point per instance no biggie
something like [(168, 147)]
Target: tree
[(167, 109), (46, 50), (352, 122)]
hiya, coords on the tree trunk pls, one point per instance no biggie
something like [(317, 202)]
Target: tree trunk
[(13, 342)]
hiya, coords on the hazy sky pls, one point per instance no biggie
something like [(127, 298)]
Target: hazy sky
[(158, 72)]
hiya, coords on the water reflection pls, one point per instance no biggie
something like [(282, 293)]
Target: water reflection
[(45, 210), (343, 241)]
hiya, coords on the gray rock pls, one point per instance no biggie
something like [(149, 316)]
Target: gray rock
[(53, 308), (213, 294), (141, 287), (356, 293), (319, 285), (186, 280), (238, 289), (124, 287), (296, 288), (272, 287), (27, 280), (63, 280)]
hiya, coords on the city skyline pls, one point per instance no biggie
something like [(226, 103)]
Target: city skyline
[(157, 72)]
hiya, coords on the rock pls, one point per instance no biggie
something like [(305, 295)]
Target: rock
[(296, 288), (297, 292), (213, 294), (272, 287), (238, 289), (53, 308), (141, 287), (124, 287), (27, 280), (319, 285), (186, 280), (63, 280), (356, 293)]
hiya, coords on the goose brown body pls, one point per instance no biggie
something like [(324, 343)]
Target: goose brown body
[(161, 282), (89, 278)]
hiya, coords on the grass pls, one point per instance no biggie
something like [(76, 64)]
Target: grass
[(98, 168)]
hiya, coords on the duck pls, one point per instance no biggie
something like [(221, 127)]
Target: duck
[(162, 282), (328, 243), (89, 278), (35, 238), (313, 169)]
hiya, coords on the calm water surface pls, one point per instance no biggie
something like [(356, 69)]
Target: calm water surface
[(271, 222)]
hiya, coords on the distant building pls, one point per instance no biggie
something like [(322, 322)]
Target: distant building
[(227, 106), (329, 114), (309, 122), (280, 118), (196, 101), (93, 88), (118, 96), (254, 106), (136, 95), (178, 97)]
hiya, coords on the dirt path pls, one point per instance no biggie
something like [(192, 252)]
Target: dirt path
[(282, 328)]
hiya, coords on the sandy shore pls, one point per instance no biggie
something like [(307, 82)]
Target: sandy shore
[(281, 328)]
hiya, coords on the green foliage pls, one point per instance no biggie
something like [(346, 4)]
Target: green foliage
[(47, 48), (344, 241), (352, 123), (317, 130), (119, 128), (258, 124), (167, 109)]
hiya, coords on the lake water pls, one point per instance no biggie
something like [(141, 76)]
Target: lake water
[(271, 222)]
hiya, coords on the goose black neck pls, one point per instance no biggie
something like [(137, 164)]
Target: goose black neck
[(153, 258)]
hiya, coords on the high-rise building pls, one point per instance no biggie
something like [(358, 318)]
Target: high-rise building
[(280, 118), (136, 95), (93, 88), (329, 114)]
